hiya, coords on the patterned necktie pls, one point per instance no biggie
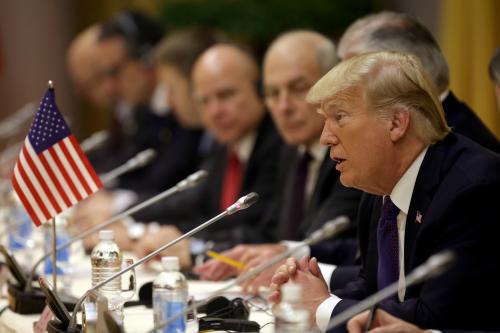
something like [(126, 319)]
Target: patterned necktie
[(388, 244), (297, 202), (232, 182)]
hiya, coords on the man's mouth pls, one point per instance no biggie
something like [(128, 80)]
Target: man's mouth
[(338, 160)]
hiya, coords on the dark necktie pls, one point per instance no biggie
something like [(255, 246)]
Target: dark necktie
[(297, 202), (232, 181), (387, 244)]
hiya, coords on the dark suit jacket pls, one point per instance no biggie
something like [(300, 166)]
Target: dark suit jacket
[(189, 209), (463, 120), (456, 192), (328, 200)]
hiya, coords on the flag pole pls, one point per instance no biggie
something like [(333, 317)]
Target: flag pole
[(54, 235), (54, 253)]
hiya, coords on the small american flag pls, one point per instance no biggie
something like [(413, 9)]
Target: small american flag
[(418, 218), (52, 173)]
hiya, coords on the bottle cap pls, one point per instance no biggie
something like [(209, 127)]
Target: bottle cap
[(170, 263), (291, 292), (106, 235)]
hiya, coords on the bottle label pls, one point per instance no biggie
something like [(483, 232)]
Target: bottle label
[(166, 310)]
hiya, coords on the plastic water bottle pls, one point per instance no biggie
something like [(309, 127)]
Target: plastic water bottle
[(290, 316), (106, 260), (63, 267), (170, 295)]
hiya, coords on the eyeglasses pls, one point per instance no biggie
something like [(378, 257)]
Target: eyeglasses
[(294, 90)]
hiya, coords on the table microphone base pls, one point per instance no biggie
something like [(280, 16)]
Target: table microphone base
[(55, 326), (33, 302)]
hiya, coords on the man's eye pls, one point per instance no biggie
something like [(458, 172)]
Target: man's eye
[(339, 116)]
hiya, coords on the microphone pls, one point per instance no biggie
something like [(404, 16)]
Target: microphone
[(191, 181), (94, 141), (329, 229), (138, 161), (242, 203), (431, 268)]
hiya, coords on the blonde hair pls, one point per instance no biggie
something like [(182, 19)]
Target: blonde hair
[(386, 81)]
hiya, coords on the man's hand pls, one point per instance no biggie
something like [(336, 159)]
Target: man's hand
[(153, 240), (249, 254), (383, 322), (215, 270), (306, 273), (95, 210), (256, 257)]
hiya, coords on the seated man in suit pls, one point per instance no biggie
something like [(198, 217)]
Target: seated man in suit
[(389, 31), (242, 160), (428, 189), (308, 191)]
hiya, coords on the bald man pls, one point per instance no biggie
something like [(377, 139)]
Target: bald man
[(308, 191), (225, 86), (83, 66)]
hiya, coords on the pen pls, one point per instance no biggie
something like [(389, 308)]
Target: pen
[(226, 260), (371, 316)]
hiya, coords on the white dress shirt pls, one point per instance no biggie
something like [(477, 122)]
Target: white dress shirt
[(401, 196)]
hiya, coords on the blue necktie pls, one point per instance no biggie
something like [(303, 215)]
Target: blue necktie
[(387, 244)]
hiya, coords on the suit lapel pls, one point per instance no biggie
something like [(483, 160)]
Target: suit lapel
[(324, 182), (428, 179)]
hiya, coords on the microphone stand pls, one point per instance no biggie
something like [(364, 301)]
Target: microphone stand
[(330, 229), (94, 141), (434, 266), (138, 161), (242, 203)]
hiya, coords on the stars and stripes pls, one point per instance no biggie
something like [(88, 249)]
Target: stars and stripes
[(418, 217), (52, 173)]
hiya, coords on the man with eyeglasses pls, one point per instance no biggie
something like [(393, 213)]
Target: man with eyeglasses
[(308, 191)]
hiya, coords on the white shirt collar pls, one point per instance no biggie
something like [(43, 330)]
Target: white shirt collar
[(316, 150), (243, 148), (402, 192), (443, 95)]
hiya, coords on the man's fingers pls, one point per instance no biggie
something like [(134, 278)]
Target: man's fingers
[(357, 323)]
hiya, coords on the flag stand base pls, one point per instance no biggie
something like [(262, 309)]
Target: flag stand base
[(33, 302)]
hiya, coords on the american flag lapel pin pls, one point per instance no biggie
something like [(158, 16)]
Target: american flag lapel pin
[(418, 218)]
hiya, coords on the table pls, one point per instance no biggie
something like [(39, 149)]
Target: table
[(138, 318)]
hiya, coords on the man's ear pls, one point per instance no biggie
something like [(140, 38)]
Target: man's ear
[(400, 123)]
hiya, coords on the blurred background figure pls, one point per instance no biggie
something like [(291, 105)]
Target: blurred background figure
[(82, 63), (124, 53), (494, 70)]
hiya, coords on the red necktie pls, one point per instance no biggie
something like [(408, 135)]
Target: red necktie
[(232, 181)]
